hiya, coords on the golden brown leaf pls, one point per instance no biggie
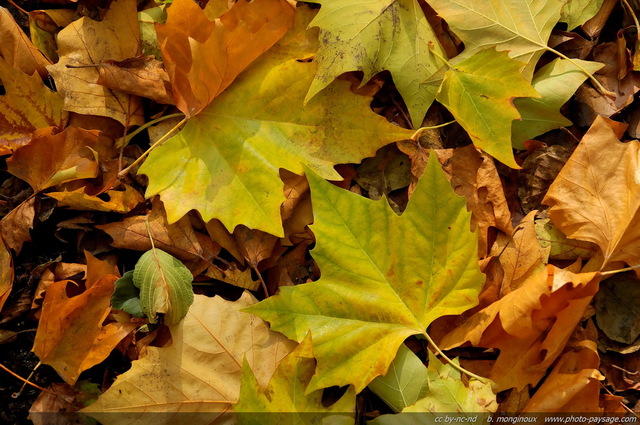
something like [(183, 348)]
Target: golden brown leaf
[(473, 175), (178, 239), (27, 106), (530, 325), (50, 159), (221, 235), (573, 384), (119, 201), (203, 57), (17, 50), (255, 245), (86, 43), (70, 336), (15, 227), (596, 196), (143, 76)]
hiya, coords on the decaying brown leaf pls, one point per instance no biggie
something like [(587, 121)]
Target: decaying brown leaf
[(596, 196), (17, 50), (71, 336), (530, 326)]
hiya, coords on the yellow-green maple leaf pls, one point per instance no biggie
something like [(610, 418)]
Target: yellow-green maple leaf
[(285, 399), (225, 162), (384, 277), (373, 36), (479, 92), (521, 27)]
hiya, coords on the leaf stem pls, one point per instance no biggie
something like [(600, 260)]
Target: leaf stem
[(26, 381), (626, 269), (124, 172), (264, 285), (438, 55), (422, 129), (451, 362), (126, 139)]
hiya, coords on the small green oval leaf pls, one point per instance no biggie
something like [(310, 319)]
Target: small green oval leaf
[(165, 286)]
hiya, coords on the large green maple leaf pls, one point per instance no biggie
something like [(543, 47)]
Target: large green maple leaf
[(384, 277), (373, 36), (522, 27), (225, 162)]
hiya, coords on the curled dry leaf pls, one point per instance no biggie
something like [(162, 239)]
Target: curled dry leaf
[(140, 76), (17, 50), (15, 227), (84, 44), (178, 239), (573, 384), (530, 325), (200, 372), (120, 201), (70, 155), (203, 57), (71, 336), (473, 175), (596, 196)]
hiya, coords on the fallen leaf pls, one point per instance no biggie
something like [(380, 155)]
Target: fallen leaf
[(57, 405), (405, 382), (27, 105), (539, 170), (518, 26), (447, 392), (389, 170), (143, 76), (479, 93), (70, 156), (178, 239), (44, 26), (15, 227), (17, 50), (520, 254), (284, 400), (241, 278), (576, 12), (227, 142), (594, 26), (365, 36), (199, 374), (165, 286), (71, 336), (368, 299), (596, 196), (473, 174), (83, 45), (254, 245), (120, 201), (221, 235), (530, 325), (573, 384), (203, 57), (562, 248), (556, 82)]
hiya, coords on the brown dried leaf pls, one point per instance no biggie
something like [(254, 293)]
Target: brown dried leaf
[(119, 201), (530, 326), (596, 196), (6, 273), (86, 43), (15, 227), (66, 156), (255, 245), (70, 336), (142, 76), (178, 239)]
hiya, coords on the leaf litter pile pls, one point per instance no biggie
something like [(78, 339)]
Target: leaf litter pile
[(277, 212)]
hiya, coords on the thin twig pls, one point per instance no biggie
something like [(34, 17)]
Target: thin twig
[(26, 381)]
